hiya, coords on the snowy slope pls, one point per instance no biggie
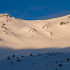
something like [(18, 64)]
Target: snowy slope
[(46, 61), (37, 44), (22, 34), (30, 40)]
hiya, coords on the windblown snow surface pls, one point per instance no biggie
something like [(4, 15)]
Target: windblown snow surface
[(35, 44)]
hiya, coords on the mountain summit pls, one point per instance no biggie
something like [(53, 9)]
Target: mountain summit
[(17, 34), (1, 15)]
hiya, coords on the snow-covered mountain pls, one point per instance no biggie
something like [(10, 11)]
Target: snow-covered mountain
[(34, 44), (21, 34)]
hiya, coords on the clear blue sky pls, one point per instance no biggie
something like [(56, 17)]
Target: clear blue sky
[(35, 9)]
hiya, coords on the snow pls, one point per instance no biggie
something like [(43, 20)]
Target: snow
[(34, 34), (42, 38), (46, 61)]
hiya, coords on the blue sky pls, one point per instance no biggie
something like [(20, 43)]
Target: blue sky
[(35, 9)]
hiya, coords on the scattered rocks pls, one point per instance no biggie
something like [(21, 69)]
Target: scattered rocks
[(62, 23)]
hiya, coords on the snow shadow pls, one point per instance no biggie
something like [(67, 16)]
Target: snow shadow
[(4, 52)]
